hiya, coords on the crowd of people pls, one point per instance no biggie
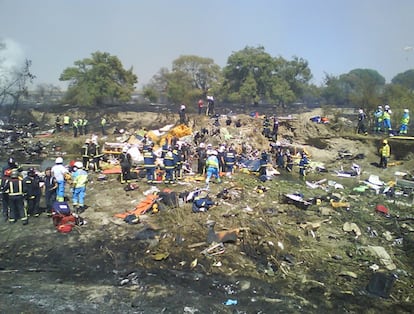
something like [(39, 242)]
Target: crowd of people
[(22, 190)]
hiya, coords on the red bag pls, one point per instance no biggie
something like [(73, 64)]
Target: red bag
[(382, 209)]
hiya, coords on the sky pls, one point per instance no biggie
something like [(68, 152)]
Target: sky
[(334, 36)]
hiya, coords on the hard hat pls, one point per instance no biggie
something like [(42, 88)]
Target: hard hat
[(182, 107), (31, 171), (78, 165), (406, 110), (385, 142), (124, 149), (10, 161), (87, 141), (379, 106), (202, 145), (361, 111), (59, 160), (14, 174), (387, 107), (214, 152)]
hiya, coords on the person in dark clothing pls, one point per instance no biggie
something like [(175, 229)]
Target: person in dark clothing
[(32, 192), (126, 164), (275, 128), (210, 106), (201, 155), (16, 198), (266, 127), (238, 123), (182, 114), (149, 164), (289, 160), (362, 122), (303, 164), (178, 161), (228, 121), (5, 197), (264, 160), (50, 189)]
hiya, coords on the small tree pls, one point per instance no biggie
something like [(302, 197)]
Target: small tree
[(98, 80)]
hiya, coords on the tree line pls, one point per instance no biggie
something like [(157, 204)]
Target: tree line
[(251, 76)]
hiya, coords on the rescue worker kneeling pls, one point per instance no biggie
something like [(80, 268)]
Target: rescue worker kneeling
[(212, 165), (14, 190), (79, 180)]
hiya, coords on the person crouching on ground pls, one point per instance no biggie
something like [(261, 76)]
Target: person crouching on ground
[(212, 165), (79, 180)]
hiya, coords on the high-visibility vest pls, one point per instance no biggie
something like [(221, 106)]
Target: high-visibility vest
[(80, 178)]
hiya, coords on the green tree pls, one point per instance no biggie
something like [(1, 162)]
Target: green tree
[(98, 80), (405, 79), (252, 75), (191, 77), (359, 87)]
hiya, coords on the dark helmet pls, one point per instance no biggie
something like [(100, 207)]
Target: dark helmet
[(31, 171)]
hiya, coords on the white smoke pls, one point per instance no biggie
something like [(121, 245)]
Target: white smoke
[(11, 58)]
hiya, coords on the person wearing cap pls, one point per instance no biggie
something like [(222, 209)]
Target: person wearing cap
[(404, 122), (230, 160), (362, 118), (386, 119), (32, 192), (79, 180), (50, 186), (378, 119), (15, 193), (59, 171), (212, 165), (385, 153), (182, 114)]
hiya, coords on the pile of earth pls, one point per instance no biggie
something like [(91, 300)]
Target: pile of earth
[(286, 259)]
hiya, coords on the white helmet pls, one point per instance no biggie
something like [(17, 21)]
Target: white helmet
[(202, 145), (387, 107), (406, 110), (361, 111), (379, 107), (214, 152), (78, 165), (59, 160), (182, 107)]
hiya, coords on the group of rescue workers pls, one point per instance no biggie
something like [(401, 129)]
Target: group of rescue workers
[(80, 126), (382, 121), (22, 190)]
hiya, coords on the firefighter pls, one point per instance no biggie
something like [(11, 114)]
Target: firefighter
[(149, 164), (169, 165), (32, 192), (230, 160), (178, 162), (14, 190), (303, 164)]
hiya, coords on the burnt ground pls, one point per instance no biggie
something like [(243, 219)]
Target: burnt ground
[(280, 263)]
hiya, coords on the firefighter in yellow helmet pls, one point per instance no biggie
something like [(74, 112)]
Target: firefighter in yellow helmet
[(385, 153)]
